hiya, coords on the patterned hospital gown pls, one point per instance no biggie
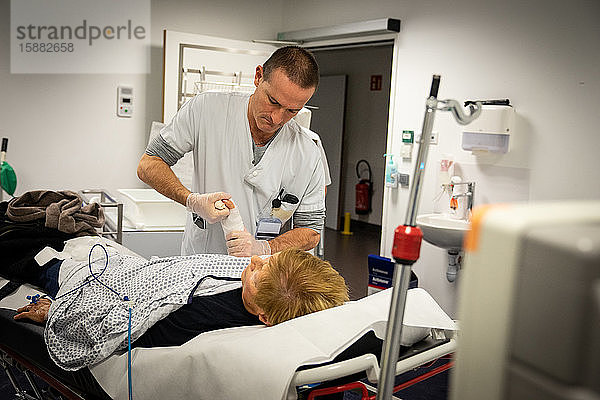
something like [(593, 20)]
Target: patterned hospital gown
[(87, 325)]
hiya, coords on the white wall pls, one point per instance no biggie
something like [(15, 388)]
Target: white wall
[(366, 119), (541, 55), (62, 129)]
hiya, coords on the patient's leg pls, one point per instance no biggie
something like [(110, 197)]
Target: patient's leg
[(17, 263), (26, 269)]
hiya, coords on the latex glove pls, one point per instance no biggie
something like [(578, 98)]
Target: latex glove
[(37, 312), (204, 205), (243, 244)]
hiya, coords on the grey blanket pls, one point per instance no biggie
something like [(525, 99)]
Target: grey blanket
[(61, 210)]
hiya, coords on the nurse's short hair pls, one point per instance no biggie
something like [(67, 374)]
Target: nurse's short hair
[(298, 64), (298, 283)]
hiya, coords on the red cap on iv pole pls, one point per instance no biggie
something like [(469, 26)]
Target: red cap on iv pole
[(407, 244)]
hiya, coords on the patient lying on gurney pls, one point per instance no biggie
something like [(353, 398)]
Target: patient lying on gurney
[(174, 299)]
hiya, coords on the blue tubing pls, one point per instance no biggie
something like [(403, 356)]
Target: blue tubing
[(129, 357)]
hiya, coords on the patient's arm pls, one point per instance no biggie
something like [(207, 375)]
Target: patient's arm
[(37, 312)]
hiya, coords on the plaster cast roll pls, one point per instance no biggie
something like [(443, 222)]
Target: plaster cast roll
[(234, 221)]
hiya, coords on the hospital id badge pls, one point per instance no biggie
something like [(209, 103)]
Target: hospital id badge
[(268, 228)]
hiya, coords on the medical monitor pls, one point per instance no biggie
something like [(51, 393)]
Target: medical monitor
[(529, 304)]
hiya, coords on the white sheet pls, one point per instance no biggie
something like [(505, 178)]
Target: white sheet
[(258, 362), (19, 298)]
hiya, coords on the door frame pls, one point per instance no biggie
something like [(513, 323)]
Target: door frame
[(370, 41)]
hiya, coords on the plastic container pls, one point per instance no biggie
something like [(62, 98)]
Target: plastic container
[(146, 208)]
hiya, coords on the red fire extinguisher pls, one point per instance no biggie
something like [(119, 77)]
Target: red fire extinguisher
[(364, 190)]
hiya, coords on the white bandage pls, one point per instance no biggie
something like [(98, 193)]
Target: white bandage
[(233, 222)]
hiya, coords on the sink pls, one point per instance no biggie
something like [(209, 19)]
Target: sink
[(442, 230)]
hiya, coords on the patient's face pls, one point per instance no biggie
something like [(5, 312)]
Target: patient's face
[(250, 277)]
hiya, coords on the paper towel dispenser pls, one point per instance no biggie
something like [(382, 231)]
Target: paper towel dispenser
[(492, 130)]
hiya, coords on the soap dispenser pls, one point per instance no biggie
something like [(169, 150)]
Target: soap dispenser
[(391, 172)]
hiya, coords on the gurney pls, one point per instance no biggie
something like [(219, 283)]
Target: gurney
[(22, 345), (210, 372)]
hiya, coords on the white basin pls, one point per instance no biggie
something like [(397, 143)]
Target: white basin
[(442, 230), (148, 209)]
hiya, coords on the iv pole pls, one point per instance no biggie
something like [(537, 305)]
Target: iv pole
[(407, 239)]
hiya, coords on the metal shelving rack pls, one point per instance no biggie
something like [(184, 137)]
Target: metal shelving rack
[(107, 201), (201, 82)]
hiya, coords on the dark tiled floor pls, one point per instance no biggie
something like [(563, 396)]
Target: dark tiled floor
[(348, 254)]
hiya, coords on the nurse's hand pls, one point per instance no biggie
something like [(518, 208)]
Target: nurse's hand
[(204, 206), (243, 244)]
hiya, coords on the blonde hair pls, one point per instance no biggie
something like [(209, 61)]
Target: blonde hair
[(298, 283)]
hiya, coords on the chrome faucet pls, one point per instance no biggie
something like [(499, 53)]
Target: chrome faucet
[(468, 195)]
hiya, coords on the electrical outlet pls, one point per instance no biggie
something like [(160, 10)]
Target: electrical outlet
[(403, 179), (434, 138)]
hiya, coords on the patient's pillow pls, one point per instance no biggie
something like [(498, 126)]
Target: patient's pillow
[(421, 314)]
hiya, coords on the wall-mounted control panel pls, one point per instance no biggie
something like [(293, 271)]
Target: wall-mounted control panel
[(124, 101)]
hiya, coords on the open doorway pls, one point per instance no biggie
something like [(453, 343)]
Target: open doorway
[(352, 121)]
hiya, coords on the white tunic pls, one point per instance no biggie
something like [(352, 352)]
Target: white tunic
[(214, 126)]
